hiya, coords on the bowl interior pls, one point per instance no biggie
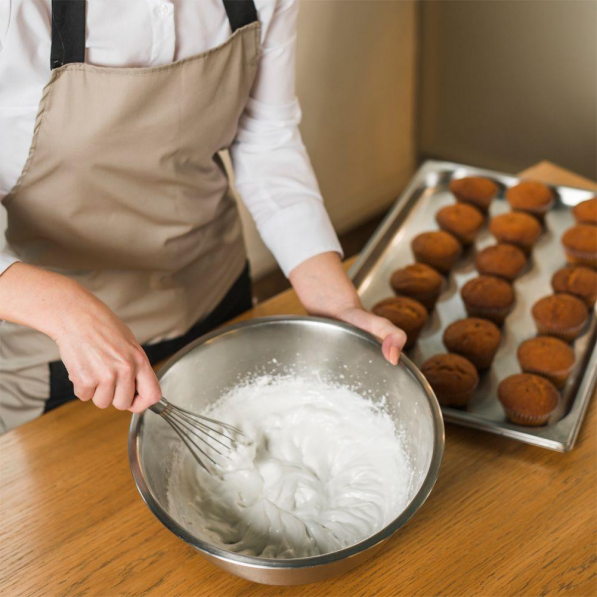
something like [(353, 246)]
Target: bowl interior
[(308, 347)]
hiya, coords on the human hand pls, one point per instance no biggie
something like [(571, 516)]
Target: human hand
[(105, 362), (324, 289), (102, 356), (391, 337)]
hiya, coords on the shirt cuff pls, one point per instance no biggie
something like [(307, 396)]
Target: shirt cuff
[(6, 261), (299, 232)]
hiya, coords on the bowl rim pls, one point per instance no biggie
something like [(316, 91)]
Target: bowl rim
[(291, 563)]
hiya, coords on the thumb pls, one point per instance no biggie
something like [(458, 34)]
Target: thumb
[(392, 338)]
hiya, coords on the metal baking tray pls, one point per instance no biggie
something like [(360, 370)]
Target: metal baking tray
[(389, 249)]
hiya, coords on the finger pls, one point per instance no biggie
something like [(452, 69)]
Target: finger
[(394, 355), (393, 339), (391, 348), (83, 387), (84, 390), (384, 329), (148, 390), (104, 394), (125, 391), (85, 393)]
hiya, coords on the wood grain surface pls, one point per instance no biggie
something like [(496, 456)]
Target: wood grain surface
[(505, 518)]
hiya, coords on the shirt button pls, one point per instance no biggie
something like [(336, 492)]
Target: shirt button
[(162, 10)]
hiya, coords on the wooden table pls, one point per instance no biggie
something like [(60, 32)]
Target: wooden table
[(505, 518)]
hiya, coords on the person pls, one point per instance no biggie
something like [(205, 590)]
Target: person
[(123, 240)]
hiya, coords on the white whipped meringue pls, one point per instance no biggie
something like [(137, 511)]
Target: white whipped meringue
[(325, 471)]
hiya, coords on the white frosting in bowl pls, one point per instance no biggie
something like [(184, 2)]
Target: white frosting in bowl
[(326, 470)]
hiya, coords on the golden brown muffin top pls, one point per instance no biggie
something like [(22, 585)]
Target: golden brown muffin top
[(500, 260), (527, 394), (474, 187), (561, 310), (436, 243), (515, 225), (581, 238), (417, 278), (460, 217), (529, 195), (472, 334), (586, 211), (576, 279), (402, 311), (450, 374), (545, 353), (488, 291)]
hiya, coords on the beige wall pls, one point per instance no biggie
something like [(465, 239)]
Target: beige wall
[(356, 83), (506, 84)]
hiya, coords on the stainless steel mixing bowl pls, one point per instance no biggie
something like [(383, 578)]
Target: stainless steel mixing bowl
[(205, 370)]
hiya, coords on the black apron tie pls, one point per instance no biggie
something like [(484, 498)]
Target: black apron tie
[(240, 13), (68, 27), (68, 32)]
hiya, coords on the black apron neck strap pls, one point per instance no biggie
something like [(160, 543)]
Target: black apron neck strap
[(68, 27), (240, 13), (68, 32)]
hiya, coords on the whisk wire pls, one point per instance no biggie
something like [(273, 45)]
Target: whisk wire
[(207, 429), (197, 417), (189, 444), (193, 428), (183, 423)]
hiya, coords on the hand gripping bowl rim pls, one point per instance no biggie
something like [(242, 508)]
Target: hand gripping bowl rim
[(293, 563)]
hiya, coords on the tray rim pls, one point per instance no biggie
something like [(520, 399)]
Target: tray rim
[(561, 436)]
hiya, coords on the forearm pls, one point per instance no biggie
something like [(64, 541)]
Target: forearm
[(323, 287), (37, 298), (102, 356)]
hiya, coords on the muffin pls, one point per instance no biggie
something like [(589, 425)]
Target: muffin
[(452, 377), (488, 297), (546, 356), (475, 190), (437, 249), (577, 280), (418, 281), (580, 244), (516, 228), (560, 315), (533, 198), (586, 212), (473, 338), (527, 399), (461, 220), (406, 313), (501, 260)]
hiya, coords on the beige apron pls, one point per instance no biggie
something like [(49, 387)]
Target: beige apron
[(124, 191)]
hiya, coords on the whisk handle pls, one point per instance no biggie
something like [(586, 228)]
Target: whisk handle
[(159, 407)]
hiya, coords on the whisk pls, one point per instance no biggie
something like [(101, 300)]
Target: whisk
[(216, 437)]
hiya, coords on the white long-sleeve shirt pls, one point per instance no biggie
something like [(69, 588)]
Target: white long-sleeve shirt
[(273, 173)]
